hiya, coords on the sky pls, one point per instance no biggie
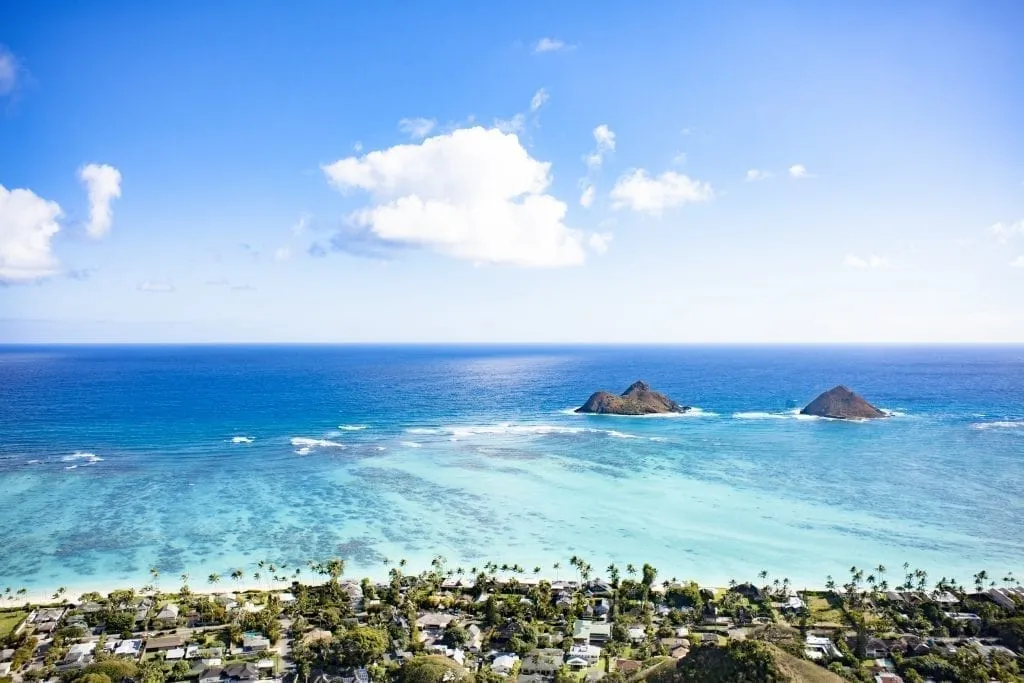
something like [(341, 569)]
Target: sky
[(595, 172)]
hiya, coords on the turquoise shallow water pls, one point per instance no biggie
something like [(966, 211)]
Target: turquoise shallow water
[(204, 459)]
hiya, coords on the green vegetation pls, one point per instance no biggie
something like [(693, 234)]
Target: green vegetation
[(432, 669), (9, 621)]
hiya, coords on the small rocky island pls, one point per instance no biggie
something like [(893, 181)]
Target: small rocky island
[(840, 403), (638, 399)]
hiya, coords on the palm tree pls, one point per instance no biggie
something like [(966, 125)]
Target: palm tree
[(335, 567), (555, 567), (401, 562), (630, 569), (213, 578), (237, 575)]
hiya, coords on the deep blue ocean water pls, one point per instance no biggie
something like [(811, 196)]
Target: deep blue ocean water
[(206, 459)]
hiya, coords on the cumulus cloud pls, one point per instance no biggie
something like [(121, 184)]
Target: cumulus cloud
[(1004, 232), (416, 129), (873, 261), (754, 175), (798, 171), (474, 194), (1018, 262), (8, 72), (679, 159), (587, 196), (605, 143), (27, 226), (103, 184), (550, 45), (599, 241), (640, 192), (155, 287), (538, 99)]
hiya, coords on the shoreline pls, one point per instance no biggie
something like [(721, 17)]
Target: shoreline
[(73, 594)]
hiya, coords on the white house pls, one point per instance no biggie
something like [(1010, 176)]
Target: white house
[(503, 664)]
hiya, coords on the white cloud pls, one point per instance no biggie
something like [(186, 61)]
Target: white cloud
[(282, 254), (27, 225), (872, 261), (357, 146), (1004, 232), (538, 99), (550, 45), (756, 174), (640, 192), (155, 286), (299, 228), (599, 241), (103, 183), (474, 194), (8, 71), (1018, 262), (605, 139), (587, 196), (679, 159), (516, 124), (798, 171), (416, 129)]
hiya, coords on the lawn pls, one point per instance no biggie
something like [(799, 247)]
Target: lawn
[(8, 620), (823, 610)]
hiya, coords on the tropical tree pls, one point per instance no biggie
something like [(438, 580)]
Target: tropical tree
[(213, 578)]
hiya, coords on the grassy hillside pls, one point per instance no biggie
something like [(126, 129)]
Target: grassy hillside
[(740, 662)]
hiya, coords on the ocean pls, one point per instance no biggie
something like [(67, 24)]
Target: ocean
[(206, 459)]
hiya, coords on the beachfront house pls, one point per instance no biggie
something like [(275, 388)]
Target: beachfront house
[(168, 615)]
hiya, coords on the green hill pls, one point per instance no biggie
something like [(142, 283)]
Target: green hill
[(747, 661)]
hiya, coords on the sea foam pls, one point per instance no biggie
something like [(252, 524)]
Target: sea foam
[(351, 428), (306, 444), (999, 424), (82, 455), (242, 439)]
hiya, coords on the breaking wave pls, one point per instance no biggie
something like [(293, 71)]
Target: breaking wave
[(793, 414), (351, 428), (999, 424), (81, 455), (242, 439), (304, 445), (411, 444), (455, 433)]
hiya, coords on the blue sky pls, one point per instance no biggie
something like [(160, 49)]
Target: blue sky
[(757, 172)]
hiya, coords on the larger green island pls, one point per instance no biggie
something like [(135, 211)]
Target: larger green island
[(504, 622)]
